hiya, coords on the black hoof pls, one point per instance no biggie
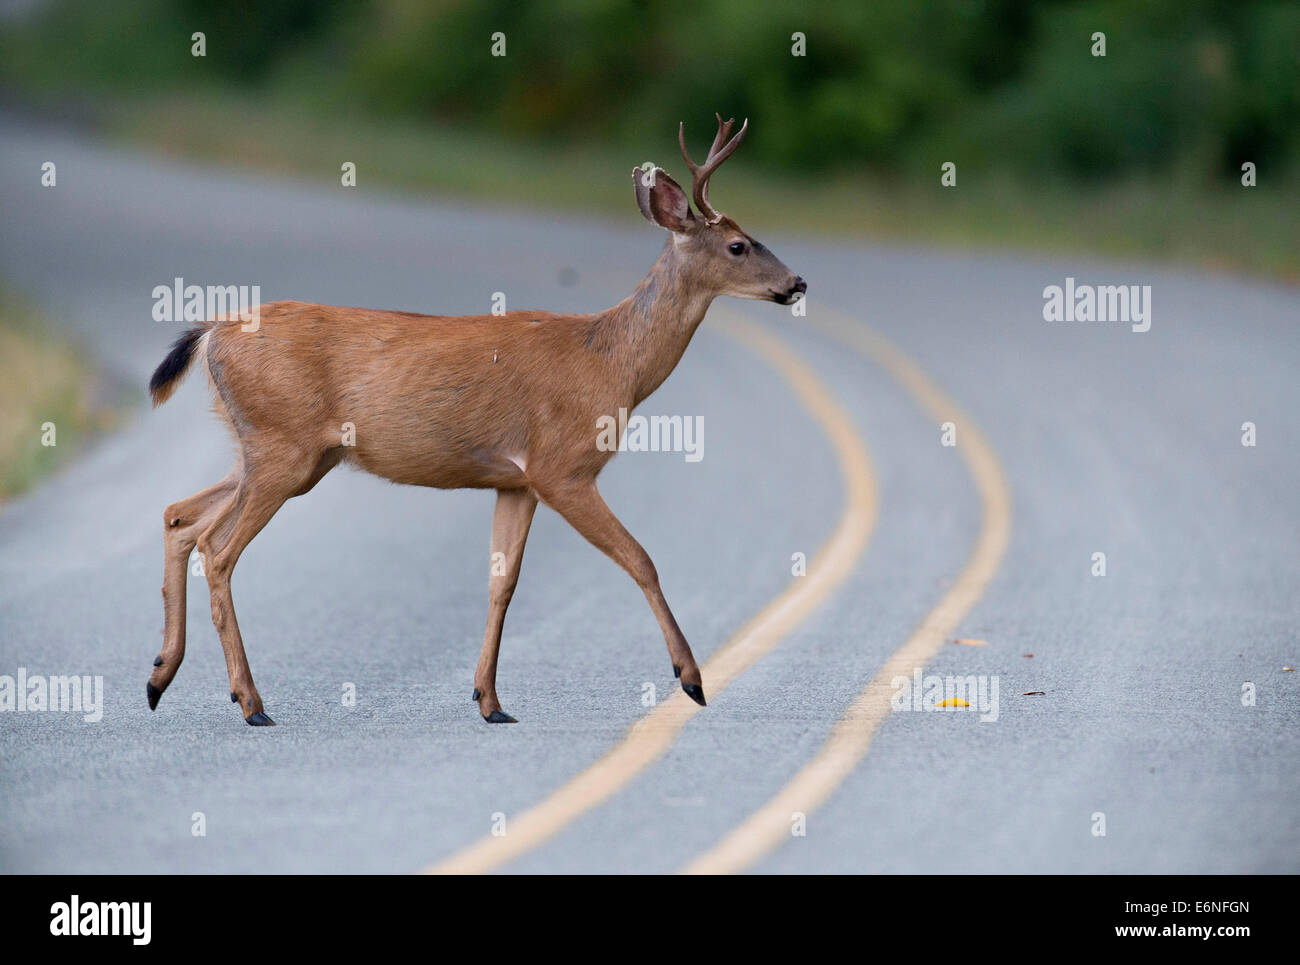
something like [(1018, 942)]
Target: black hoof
[(695, 692), (476, 696), (234, 697), (157, 661), (259, 720), (500, 717), (153, 693), (677, 671)]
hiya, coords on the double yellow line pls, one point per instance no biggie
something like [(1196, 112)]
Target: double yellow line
[(849, 740), (648, 739)]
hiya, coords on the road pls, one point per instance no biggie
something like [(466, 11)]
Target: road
[(1104, 440)]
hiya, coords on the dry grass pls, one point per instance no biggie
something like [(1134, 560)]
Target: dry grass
[(47, 392)]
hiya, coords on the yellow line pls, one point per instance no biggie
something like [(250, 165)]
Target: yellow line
[(849, 740), (652, 735)]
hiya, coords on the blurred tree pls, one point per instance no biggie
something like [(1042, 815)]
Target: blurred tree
[(1186, 89)]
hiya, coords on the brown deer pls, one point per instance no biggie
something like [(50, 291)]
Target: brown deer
[(507, 402)]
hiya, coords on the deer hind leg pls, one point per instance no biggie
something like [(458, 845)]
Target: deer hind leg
[(510, 524), (182, 523), (586, 512), (282, 472)]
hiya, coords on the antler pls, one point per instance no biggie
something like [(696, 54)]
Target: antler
[(719, 152)]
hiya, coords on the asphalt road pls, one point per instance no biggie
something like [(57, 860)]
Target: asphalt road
[(1109, 440)]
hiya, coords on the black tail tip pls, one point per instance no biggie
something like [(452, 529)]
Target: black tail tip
[(174, 365)]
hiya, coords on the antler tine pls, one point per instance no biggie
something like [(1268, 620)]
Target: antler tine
[(718, 153), (681, 141), (719, 139), (701, 200)]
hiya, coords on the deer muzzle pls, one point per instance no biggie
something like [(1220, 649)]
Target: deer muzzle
[(797, 287)]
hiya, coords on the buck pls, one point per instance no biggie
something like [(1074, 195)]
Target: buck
[(507, 402)]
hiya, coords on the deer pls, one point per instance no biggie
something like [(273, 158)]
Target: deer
[(508, 402)]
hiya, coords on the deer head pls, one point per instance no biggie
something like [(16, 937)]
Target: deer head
[(714, 250)]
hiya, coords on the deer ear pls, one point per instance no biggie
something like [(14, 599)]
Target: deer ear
[(661, 199)]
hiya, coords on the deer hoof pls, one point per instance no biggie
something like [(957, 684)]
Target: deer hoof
[(500, 717), (259, 720), (153, 693), (696, 693)]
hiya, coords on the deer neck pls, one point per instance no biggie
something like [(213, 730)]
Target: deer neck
[(647, 333)]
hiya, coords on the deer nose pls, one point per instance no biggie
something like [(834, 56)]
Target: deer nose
[(800, 286)]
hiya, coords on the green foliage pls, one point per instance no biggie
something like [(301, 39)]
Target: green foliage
[(1187, 89)]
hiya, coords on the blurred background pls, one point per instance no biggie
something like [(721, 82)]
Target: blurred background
[(1139, 152)]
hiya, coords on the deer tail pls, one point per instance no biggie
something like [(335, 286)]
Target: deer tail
[(172, 369)]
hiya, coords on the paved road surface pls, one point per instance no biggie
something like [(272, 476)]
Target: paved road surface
[(1110, 441)]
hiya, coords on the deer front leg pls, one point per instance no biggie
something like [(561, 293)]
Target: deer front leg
[(585, 510), (260, 493), (510, 525)]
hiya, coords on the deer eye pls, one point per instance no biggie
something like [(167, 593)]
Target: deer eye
[(736, 248)]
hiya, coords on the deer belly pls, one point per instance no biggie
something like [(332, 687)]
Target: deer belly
[(431, 458)]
